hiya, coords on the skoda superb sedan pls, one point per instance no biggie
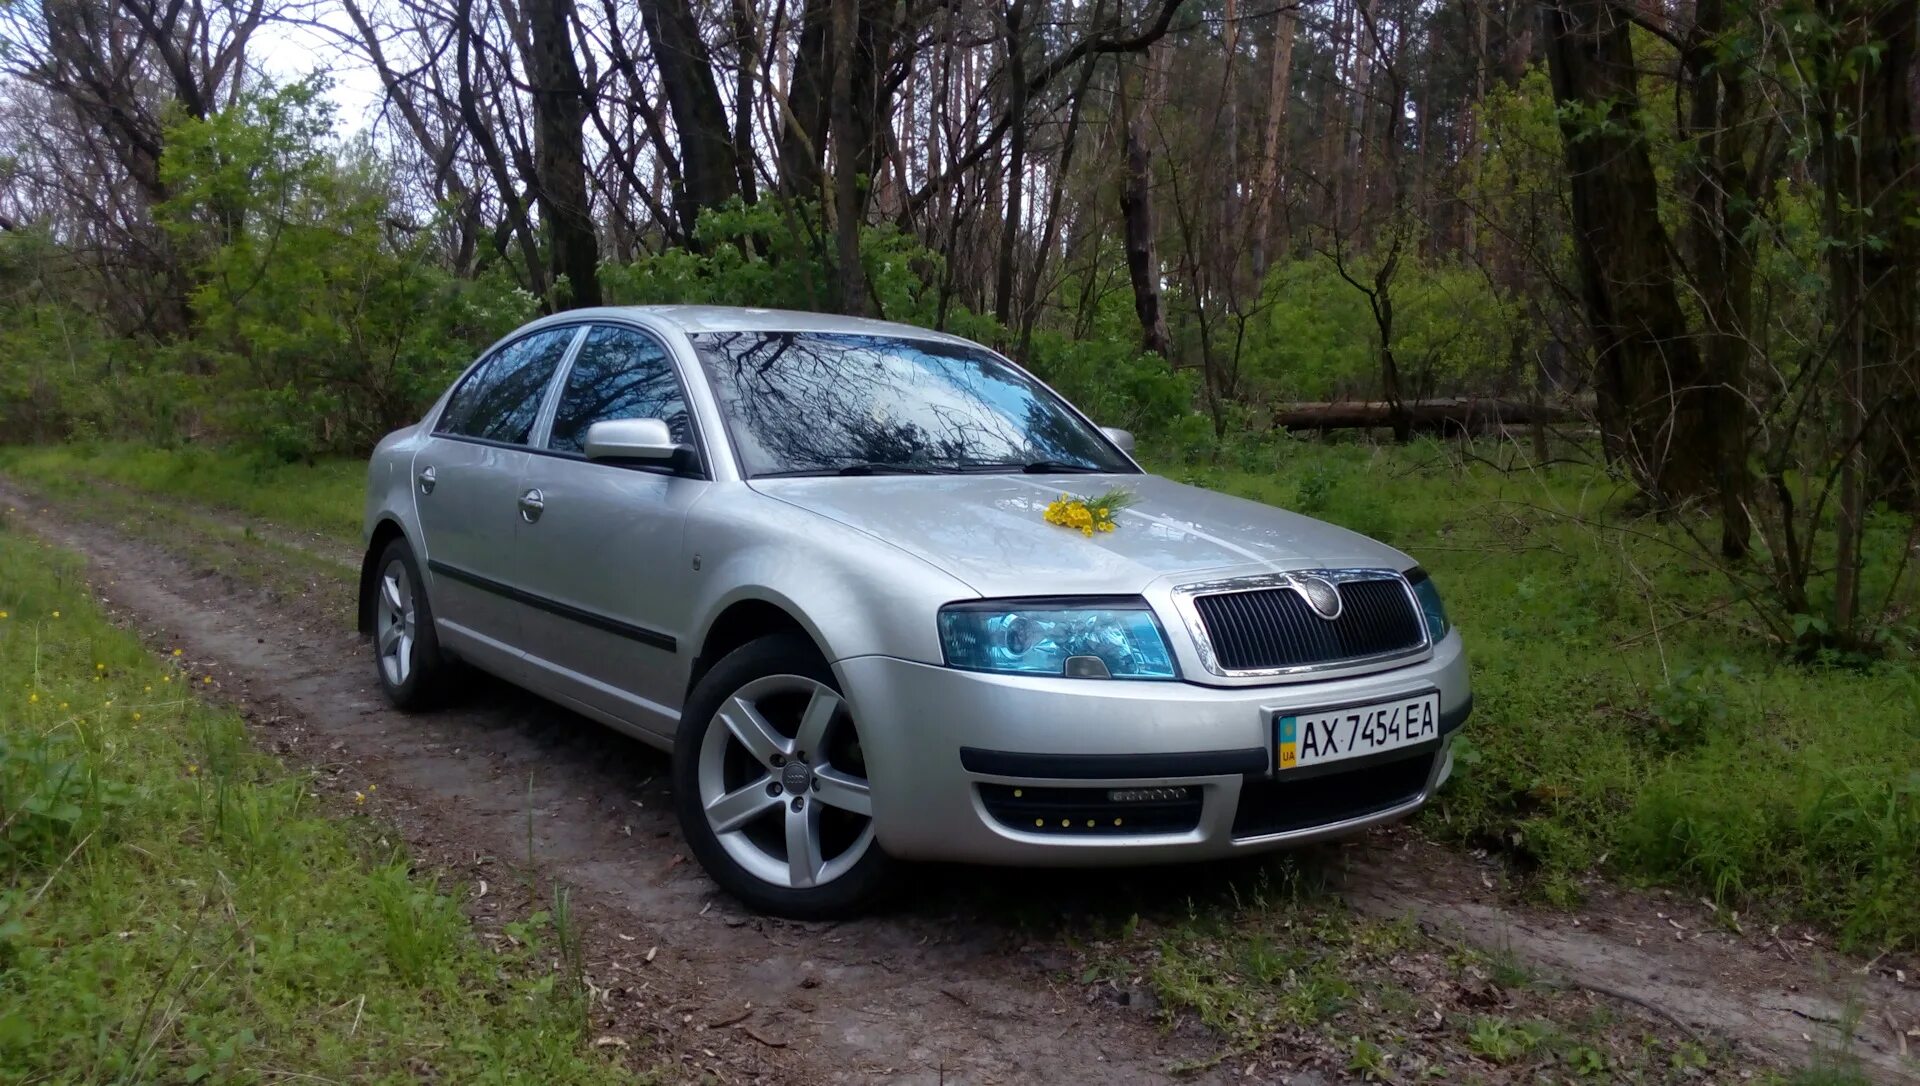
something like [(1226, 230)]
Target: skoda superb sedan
[(812, 557)]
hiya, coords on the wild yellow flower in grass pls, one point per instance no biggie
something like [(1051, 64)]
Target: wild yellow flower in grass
[(166, 678), (207, 681), (3, 614), (1088, 515), (99, 667), (176, 652), (136, 714), (359, 797), (31, 698), (56, 614), (192, 770), (63, 705)]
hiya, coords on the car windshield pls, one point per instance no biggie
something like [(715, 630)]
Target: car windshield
[(805, 403)]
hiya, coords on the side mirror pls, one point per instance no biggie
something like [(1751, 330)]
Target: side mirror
[(1122, 438), (646, 440)]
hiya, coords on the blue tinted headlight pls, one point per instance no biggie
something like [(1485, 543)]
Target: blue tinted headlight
[(1430, 605), (1039, 639)]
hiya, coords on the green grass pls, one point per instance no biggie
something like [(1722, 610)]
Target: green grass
[(1631, 717), (324, 498), (175, 908)]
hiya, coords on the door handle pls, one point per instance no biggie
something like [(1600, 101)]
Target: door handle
[(531, 506), (427, 478)]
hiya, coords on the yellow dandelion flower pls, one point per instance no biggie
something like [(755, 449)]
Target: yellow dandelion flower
[(3, 614), (207, 681), (373, 788), (192, 769), (32, 698), (359, 797), (147, 688), (56, 614), (165, 679), (99, 667), (136, 715)]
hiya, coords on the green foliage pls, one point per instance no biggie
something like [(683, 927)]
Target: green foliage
[(322, 324), (173, 908), (1316, 339)]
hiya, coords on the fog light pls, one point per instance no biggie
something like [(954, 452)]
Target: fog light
[(1147, 795)]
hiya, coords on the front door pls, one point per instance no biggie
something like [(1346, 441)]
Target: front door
[(466, 488), (606, 553)]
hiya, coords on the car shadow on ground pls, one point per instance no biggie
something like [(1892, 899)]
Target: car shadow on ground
[(618, 773)]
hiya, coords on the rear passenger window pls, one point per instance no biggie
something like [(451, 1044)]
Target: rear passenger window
[(619, 374), (500, 399)]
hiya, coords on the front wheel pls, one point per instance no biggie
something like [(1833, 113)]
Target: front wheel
[(771, 786)]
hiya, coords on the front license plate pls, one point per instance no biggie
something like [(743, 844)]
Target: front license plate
[(1331, 735)]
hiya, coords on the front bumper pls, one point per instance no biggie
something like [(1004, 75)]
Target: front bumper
[(950, 753)]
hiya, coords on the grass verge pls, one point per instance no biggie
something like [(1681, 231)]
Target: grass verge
[(173, 906), (324, 498)]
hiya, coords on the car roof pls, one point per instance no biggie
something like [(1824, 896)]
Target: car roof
[(697, 319)]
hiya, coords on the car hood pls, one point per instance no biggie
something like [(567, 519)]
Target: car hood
[(988, 531)]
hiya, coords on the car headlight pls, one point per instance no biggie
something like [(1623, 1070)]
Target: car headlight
[(1095, 639), (1430, 605)]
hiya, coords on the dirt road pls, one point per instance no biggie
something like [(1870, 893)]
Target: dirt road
[(971, 979)]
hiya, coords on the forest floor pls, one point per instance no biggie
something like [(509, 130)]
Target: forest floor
[(1390, 958)]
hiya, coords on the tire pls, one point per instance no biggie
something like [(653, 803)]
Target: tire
[(406, 648), (741, 763)]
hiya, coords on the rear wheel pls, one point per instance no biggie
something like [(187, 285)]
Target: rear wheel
[(772, 788), (406, 650)]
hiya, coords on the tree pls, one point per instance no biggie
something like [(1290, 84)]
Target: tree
[(559, 106)]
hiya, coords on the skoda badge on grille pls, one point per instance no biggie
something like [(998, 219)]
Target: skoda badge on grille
[(1320, 595)]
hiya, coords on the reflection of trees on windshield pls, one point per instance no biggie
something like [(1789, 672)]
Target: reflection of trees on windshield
[(799, 402)]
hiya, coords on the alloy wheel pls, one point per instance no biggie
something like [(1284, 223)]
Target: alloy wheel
[(782, 782), (394, 625)]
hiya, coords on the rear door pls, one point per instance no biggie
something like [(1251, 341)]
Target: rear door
[(467, 490), (605, 554)]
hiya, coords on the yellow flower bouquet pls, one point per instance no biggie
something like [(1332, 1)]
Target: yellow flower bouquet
[(1088, 515)]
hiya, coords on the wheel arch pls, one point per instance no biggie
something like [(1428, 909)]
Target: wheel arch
[(743, 621), (385, 532)]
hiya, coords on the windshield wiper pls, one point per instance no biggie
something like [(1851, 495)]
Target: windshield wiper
[(1040, 467), (857, 467)]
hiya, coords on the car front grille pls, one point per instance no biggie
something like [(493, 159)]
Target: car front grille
[(1270, 628), (1283, 806)]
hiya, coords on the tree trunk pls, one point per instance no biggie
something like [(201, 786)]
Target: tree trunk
[(1136, 212), (803, 136), (1266, 188), (847, 214), (709, 175), (1651, 380), (559, 107), (1721, 214), (1876, 166), (1016, 164)]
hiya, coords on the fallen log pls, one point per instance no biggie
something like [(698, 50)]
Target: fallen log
[(1468, 415)]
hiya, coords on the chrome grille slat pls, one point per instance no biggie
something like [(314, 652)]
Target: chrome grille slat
[(1269, 627)]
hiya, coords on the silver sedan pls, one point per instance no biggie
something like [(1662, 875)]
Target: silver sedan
[(813, 558)]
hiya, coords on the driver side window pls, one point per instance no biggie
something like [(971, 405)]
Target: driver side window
[(620, 373)]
